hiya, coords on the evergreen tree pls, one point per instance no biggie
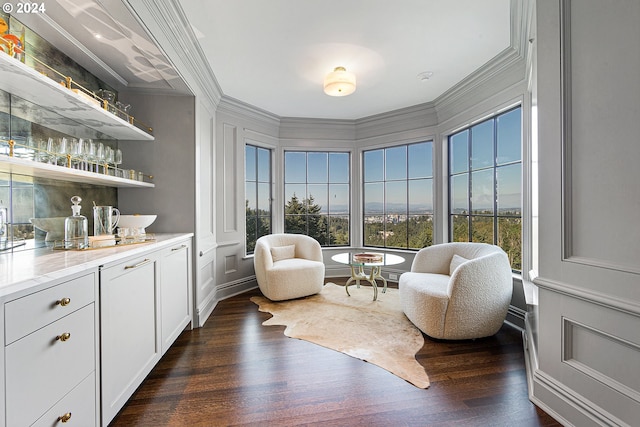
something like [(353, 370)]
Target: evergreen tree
[(258, 224), (295, 220), (305, 218)]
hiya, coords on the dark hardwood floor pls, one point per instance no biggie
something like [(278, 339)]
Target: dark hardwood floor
[(234, 371)]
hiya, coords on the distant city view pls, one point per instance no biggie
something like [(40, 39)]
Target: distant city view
[(485, 180)]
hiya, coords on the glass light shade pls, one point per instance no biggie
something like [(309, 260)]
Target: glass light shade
[(339, 82)]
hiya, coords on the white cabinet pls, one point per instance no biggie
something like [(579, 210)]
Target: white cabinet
[(50, 354), (175, 292), (130, 345), (78, 344), (145, 303)]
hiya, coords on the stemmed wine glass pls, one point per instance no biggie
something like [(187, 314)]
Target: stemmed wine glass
[(91, 155), (100, 157), (108, 157), (117, 159), (73, 151), (41, 151), (63, 149), (52, 150), (80, 153)]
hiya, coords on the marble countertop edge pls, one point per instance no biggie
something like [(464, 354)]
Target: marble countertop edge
[(27, 270)]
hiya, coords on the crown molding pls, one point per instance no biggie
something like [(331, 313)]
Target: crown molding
[(235, 107), (319, 130), (188, 58), (505, 69)]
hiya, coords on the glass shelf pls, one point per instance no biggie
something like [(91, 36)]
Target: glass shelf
[(25, 82), (45, 170)]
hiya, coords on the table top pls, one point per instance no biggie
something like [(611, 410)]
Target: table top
[(347, 258)]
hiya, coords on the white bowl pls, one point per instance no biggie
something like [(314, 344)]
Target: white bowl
[(54, 227), (136, 221)]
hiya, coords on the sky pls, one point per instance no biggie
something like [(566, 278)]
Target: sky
[(401, 176)]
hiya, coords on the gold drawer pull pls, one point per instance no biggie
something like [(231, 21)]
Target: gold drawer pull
[(177, 249), (64, 418), (63, 337), (63, 302), (144, 261)]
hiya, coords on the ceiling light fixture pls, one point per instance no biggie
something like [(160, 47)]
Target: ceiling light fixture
[(339, 82)]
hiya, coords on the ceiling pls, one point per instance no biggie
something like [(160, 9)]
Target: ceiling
[(274, 54)]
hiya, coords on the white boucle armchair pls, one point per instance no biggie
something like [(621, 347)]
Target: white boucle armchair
[(457, 290), (288, 266)]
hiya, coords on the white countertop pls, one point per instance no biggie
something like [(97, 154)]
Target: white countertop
[(26, 269)]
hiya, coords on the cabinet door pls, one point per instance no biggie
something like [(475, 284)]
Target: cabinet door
[(130, 345), (175, 292)]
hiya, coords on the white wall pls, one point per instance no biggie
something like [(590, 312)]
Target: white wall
[(589, 287)]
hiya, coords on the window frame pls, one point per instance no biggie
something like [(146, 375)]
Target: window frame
[(407, 180), (257, 182), (348, 216), (495, 167)]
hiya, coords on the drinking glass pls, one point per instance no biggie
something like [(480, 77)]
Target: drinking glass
[(117, 157), (100, 156), (124, 111), (52, 150), (108, 157), (41, 151), (110, 97), (127, 112), (78, 153), (31, 148), (92, 156), (73, 150), (64, 148)]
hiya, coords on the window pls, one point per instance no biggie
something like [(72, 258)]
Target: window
[(257, 183), (485, 176), (398, 196), (316, 188)]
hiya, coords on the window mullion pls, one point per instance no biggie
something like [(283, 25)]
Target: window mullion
[(469, 187)]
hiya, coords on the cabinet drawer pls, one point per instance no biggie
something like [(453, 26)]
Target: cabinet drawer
[(79, 406), (41, 369), (29, 313)]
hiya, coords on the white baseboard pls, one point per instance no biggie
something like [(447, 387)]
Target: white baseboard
[(221, 292)]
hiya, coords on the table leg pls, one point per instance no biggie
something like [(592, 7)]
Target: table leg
[(378, 275), (361, 275)]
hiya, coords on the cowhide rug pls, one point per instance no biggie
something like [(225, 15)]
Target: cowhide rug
[(375, 331)]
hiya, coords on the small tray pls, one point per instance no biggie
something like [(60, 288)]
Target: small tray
[(368, 257), (59, 244)]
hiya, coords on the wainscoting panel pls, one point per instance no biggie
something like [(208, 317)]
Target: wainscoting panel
[(599, 163), (205, 152), (597, 359), (206, 290), (613, 369), (229, 184), (230, 264)]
